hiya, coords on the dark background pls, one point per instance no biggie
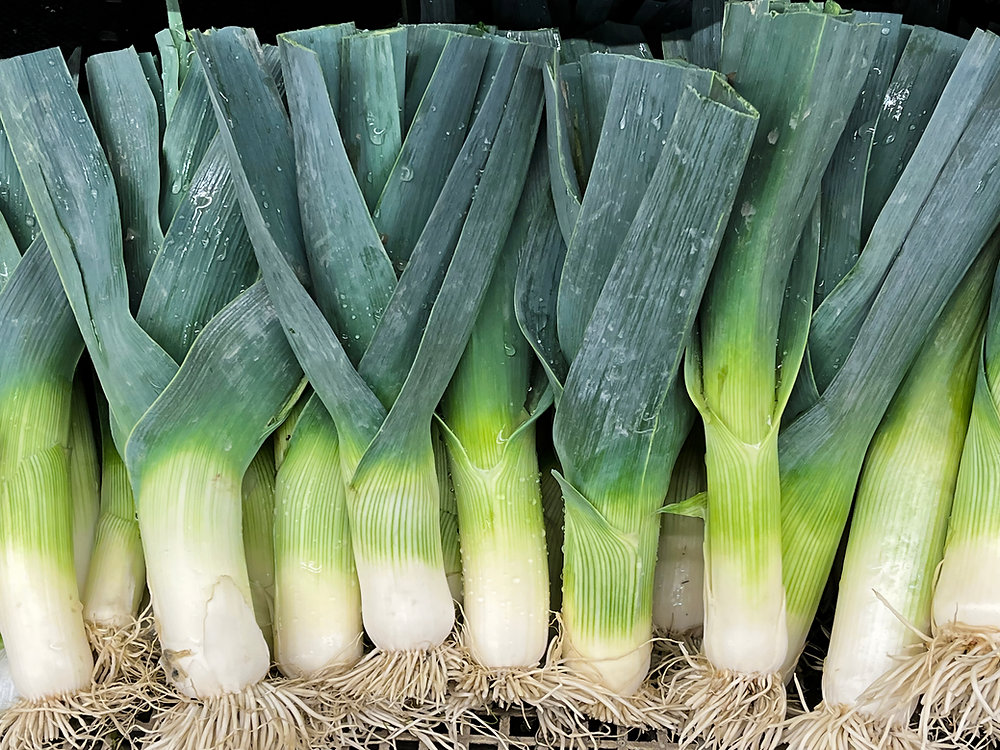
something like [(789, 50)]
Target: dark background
[(102, 25)]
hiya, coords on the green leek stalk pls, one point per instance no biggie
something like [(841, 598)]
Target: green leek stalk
[(491, 451), (553, 512), (733, 379), (450, 543), (954, 675), (317, 601), (40, 614), (258, 537), (898, 527), (85, 480), (678, 593), (117, 579)]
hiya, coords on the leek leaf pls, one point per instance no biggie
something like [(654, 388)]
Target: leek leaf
[(124, 115), (843, 186), (433, 142), (837, 321)]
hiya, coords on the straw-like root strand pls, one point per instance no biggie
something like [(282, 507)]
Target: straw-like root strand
[(399, 677), (728, 709), (956, 676), (128, 653), (564, 701), (848, 728), (263, 716), (352, 722), (96, 717)]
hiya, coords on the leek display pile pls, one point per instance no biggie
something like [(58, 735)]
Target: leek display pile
[(350, 386)]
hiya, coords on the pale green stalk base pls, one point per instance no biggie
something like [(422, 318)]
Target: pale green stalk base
[(258, 537), (396, 532), (678, 590), (744, 595), (450, 543), (40, 612), (608, 589), (317, 596), (189, 503), (117, 578), (503, 554)]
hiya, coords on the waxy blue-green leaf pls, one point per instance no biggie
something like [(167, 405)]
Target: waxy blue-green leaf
[(325, 42), (432, 143), (926, 62), (352, 277), (189, 130), (206, 260), (843, 187), (72, 191), (641, 105), (38, 333), (125, 117), (837, 321), (14, 203), (10, 256), (372, 84)]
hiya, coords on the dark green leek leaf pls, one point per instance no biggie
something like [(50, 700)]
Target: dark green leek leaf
[(843, 187), (925, 65), (39, 337), (372, 85), (929, 178), (432, 144), (188, 132), (352, 277), (324, 41), (126, 120), (206, 260)]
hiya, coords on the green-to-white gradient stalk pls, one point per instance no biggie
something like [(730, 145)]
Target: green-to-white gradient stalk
[(395, 520), (494, 468), (967, 592), (678, 583), (84, 480), (903, 502), (258, 537), (40, 612), (317, 605), (190, 516), (117, 579)]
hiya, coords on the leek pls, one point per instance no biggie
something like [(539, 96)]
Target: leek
[(940, 194), (40, 614), (383, 416), (183, 476), (752, 338), (488, 423), (620, 414), (952, 674), (898, 527)]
